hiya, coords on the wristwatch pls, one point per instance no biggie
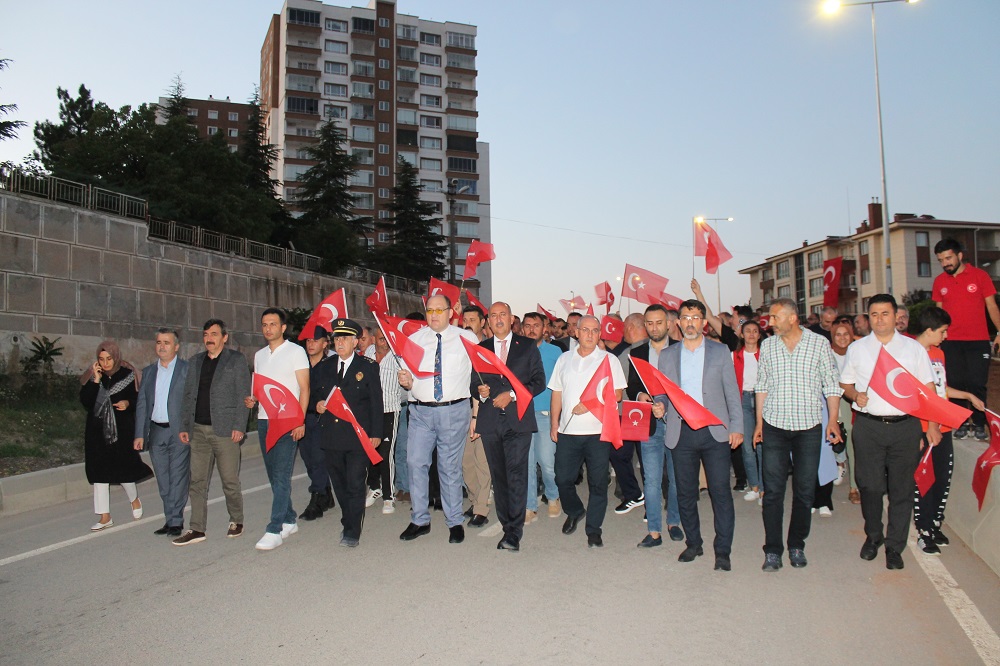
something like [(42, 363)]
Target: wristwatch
[(513, 396)]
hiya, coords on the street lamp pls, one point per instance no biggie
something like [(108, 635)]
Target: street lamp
[(452, 193), (832, 7), (718, 288)]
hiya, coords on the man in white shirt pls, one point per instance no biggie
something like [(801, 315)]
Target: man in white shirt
[(577, 432), (439, 413)]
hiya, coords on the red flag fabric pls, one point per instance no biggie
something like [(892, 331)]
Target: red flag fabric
[(478, 253), (379, 299), (642, 285), (338, 406), (831, 281), (475, 301), (670, 301), (604, 294), (549, 315), (708, 244), (284, 413), (656, 383), (439, 287), (330, 309), (573, 305), (397, 333), (636, 417), (483, 360), (924, 476), (590, 309), (899, 388), (599, 397), (765, 322), (612, 330), (987, 461)]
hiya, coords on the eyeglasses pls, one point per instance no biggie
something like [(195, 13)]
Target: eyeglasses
[(690, 318), (435, 311)]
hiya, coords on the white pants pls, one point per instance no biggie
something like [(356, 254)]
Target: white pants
[(102, 496)]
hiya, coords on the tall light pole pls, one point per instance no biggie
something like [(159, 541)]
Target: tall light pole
[(451, 193), (698, 221), (831, 7)]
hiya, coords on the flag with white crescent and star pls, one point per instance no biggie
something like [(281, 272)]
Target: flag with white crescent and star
[(477, 254), (576, 303), (924, 476), (612, 330), (436, 287), (894, 384), (987, 461), (284, 413), (338, 406), (379, 299), (599, 397), (831, 281), (708, 244), (636, 417), (397, 332), (331, 308), (642, 285), (656, 383), (483, 360)]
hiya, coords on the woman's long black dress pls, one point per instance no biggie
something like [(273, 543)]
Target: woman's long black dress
[(116, 462)]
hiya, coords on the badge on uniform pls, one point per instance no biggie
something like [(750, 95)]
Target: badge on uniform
[(359, 376)]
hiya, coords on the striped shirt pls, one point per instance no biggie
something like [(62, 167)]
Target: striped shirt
[(393, 394), (796, 381)]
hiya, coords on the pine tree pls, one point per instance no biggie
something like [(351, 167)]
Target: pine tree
[(177, 103), (417, 251), (8, 128)]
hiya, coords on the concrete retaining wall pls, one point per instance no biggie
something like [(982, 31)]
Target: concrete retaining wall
[(979, 529)]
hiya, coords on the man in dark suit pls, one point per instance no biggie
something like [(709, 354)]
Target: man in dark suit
[(158, 428), (507, 438), (346, 460), (704, 370)]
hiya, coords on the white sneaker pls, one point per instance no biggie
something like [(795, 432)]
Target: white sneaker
[(841, 471), (751, 495), (269, 541), (388, 506), (825, 511), (812, 510), (288, 529), (760, 500), (97, 527), (372, 496)]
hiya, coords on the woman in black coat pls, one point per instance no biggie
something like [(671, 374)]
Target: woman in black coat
[(109, 391)]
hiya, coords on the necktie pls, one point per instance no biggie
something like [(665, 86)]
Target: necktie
[(438, 387), (340, 373), (503, 351)]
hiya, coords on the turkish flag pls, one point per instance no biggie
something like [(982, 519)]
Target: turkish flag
[(604, 294), (549, 315), (330, 309), (670, 301), (483, 360), (397, 332), (379, 299), (573, 305), (765, 322), (642, 285), (477, 254), (590, 309), (708, 244), (987, 461), (475, 301), (831, 281), (338, 406), (656, 383), (599, 397), (636, 417), (924, 476), (284, 413), (437, 287), (612, 330), (899, 388)]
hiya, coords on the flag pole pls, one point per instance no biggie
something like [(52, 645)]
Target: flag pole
[(718, 291), (694, 244)]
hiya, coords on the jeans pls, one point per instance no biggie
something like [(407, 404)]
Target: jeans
[(402, 473), (278, 462), (657, 459), (542, 453), (751, 456), (799, 449)]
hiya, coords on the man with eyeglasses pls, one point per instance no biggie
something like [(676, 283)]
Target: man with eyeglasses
[(439, 419)]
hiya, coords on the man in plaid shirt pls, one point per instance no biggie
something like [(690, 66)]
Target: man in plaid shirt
[(796, 372)]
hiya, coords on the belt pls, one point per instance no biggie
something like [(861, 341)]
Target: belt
[(160, 425), (440, 404), (885, 419)]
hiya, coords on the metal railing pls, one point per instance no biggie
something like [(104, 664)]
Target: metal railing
[(73, 193)]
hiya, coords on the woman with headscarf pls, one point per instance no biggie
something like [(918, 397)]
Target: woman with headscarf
[(841, 336), (109, 391)]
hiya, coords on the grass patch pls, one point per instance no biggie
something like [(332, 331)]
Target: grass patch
[(42, 423)]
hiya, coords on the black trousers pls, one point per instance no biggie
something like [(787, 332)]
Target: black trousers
[(799, 451), (312, 456), (928, 511), (739, 468), (383, 475), (571, 452), (886, 456), (968, 363), (347, 469), (694, 448), (507, 457), (621, 460)]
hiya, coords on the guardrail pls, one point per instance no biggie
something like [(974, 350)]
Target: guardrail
[(75, 194)]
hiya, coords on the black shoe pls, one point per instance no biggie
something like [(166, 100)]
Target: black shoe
[(468, 513), (675, 532), (570, 525), (772, 562), (456, 534), (163, 530), (412, 531), (649, 541), (478, 521), (508, 545), (797, 557), (594, 541), (175, 531), (870, 549), (893, 560), (628, 505), (437, 504), (939, 537), (690, 553), (740, 486), (925, 542), (314, 509), (722, 563)]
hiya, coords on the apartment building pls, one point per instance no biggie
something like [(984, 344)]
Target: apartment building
[(211, 116), (798, 273), (401, 87)]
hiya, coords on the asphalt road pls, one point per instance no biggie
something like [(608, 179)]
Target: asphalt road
[(127, 596)]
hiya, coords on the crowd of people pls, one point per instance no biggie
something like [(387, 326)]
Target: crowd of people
[(791, 401)]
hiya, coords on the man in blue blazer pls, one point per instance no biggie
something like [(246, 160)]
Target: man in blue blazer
[(158, 428), (704, 370)]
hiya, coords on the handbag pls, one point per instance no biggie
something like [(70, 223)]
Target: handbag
[(842, 444)]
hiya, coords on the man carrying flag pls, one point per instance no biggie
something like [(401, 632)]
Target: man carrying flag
[(887, 440), (577, 432)]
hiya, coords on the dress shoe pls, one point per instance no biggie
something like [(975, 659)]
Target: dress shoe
[(175, 531), (675, 532), (437, 504), (456, 534), (478, 521), (594, 541), (530, 516), (468, 513), (163, 530), (772, 562), (555, 508), (722, 563), (690, 553), (412, 531), (570, 525), (893, 560), (854, 496), (870, 549), (508, 545), (649, 541), (797, 557)]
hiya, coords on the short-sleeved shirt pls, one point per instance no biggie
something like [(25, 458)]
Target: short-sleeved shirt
[(571, 376), (280, 365), (550, 354), (860, 365), (963, 296), (940, 380)]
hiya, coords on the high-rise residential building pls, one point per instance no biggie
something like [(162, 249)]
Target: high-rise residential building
[(212, 116), (400, 87)]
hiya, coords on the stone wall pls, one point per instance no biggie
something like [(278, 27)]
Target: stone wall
[(84, 276)]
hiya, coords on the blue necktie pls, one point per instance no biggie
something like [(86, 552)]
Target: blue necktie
[(438, 388)]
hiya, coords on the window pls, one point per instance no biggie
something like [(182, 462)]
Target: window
[(383, 149), (383, 63), (466, 229), (866, 276), (457, 105), (466, 208), (863, 247), (384, 237), (464, 143), (213, 115), (406, 116), (362, 179), (335, 68), (410, 158), (765, 274), (212, 131), (923, 269), (370, 242), (383, 85), (473, 185), (364, 155), (302, 105), (364, 200), (331, 46), (301, 131), (362, 133), (462, 164), (363, 68), (233, 132), (333, 25), (430, 80), (304, 83), (295, 171), (383, 193), (331, 111), (407, 74), (192, 113), (431, 59), (383, 215), (923, 239), (816, 287), (334, 90), (383, 106), (303, 17), (234, 117), (305, 65), (783, 270), (383, 23), (462, 40), (406, 53), (815, 260), (430, 121), (785, 292), (404, 31), (464, 123), (366, 90), (364, 47), (383, 127), (383, 170), (430, 185), (406, 137), (430, 100), (430, 142), (430, 39), (430, 164), (363, 111), (461, 61), (363, 25), (404, 96)]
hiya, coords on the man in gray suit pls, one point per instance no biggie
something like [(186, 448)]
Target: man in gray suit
[(214, 422), (158, 428), (704, 370)]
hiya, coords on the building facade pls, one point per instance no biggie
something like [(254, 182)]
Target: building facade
[(211, 116), (798, 273), (400, 87)]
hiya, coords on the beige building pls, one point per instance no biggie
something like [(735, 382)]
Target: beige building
[(798, 273)]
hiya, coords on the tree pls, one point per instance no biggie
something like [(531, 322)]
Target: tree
[(417, 251), (259, 156), (8, 128), (176, 106)]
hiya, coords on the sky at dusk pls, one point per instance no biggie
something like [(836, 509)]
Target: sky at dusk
[(612, 124)]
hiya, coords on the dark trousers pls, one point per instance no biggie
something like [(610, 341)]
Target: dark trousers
[(383, 475), (507, 456), (739, 468), (968, 363), (172, 463), (798, 449), (694, 448), (928, 511), (886, 455), (823, 496), (571, 452), (312, 456), (621, 460), (347, 469)]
